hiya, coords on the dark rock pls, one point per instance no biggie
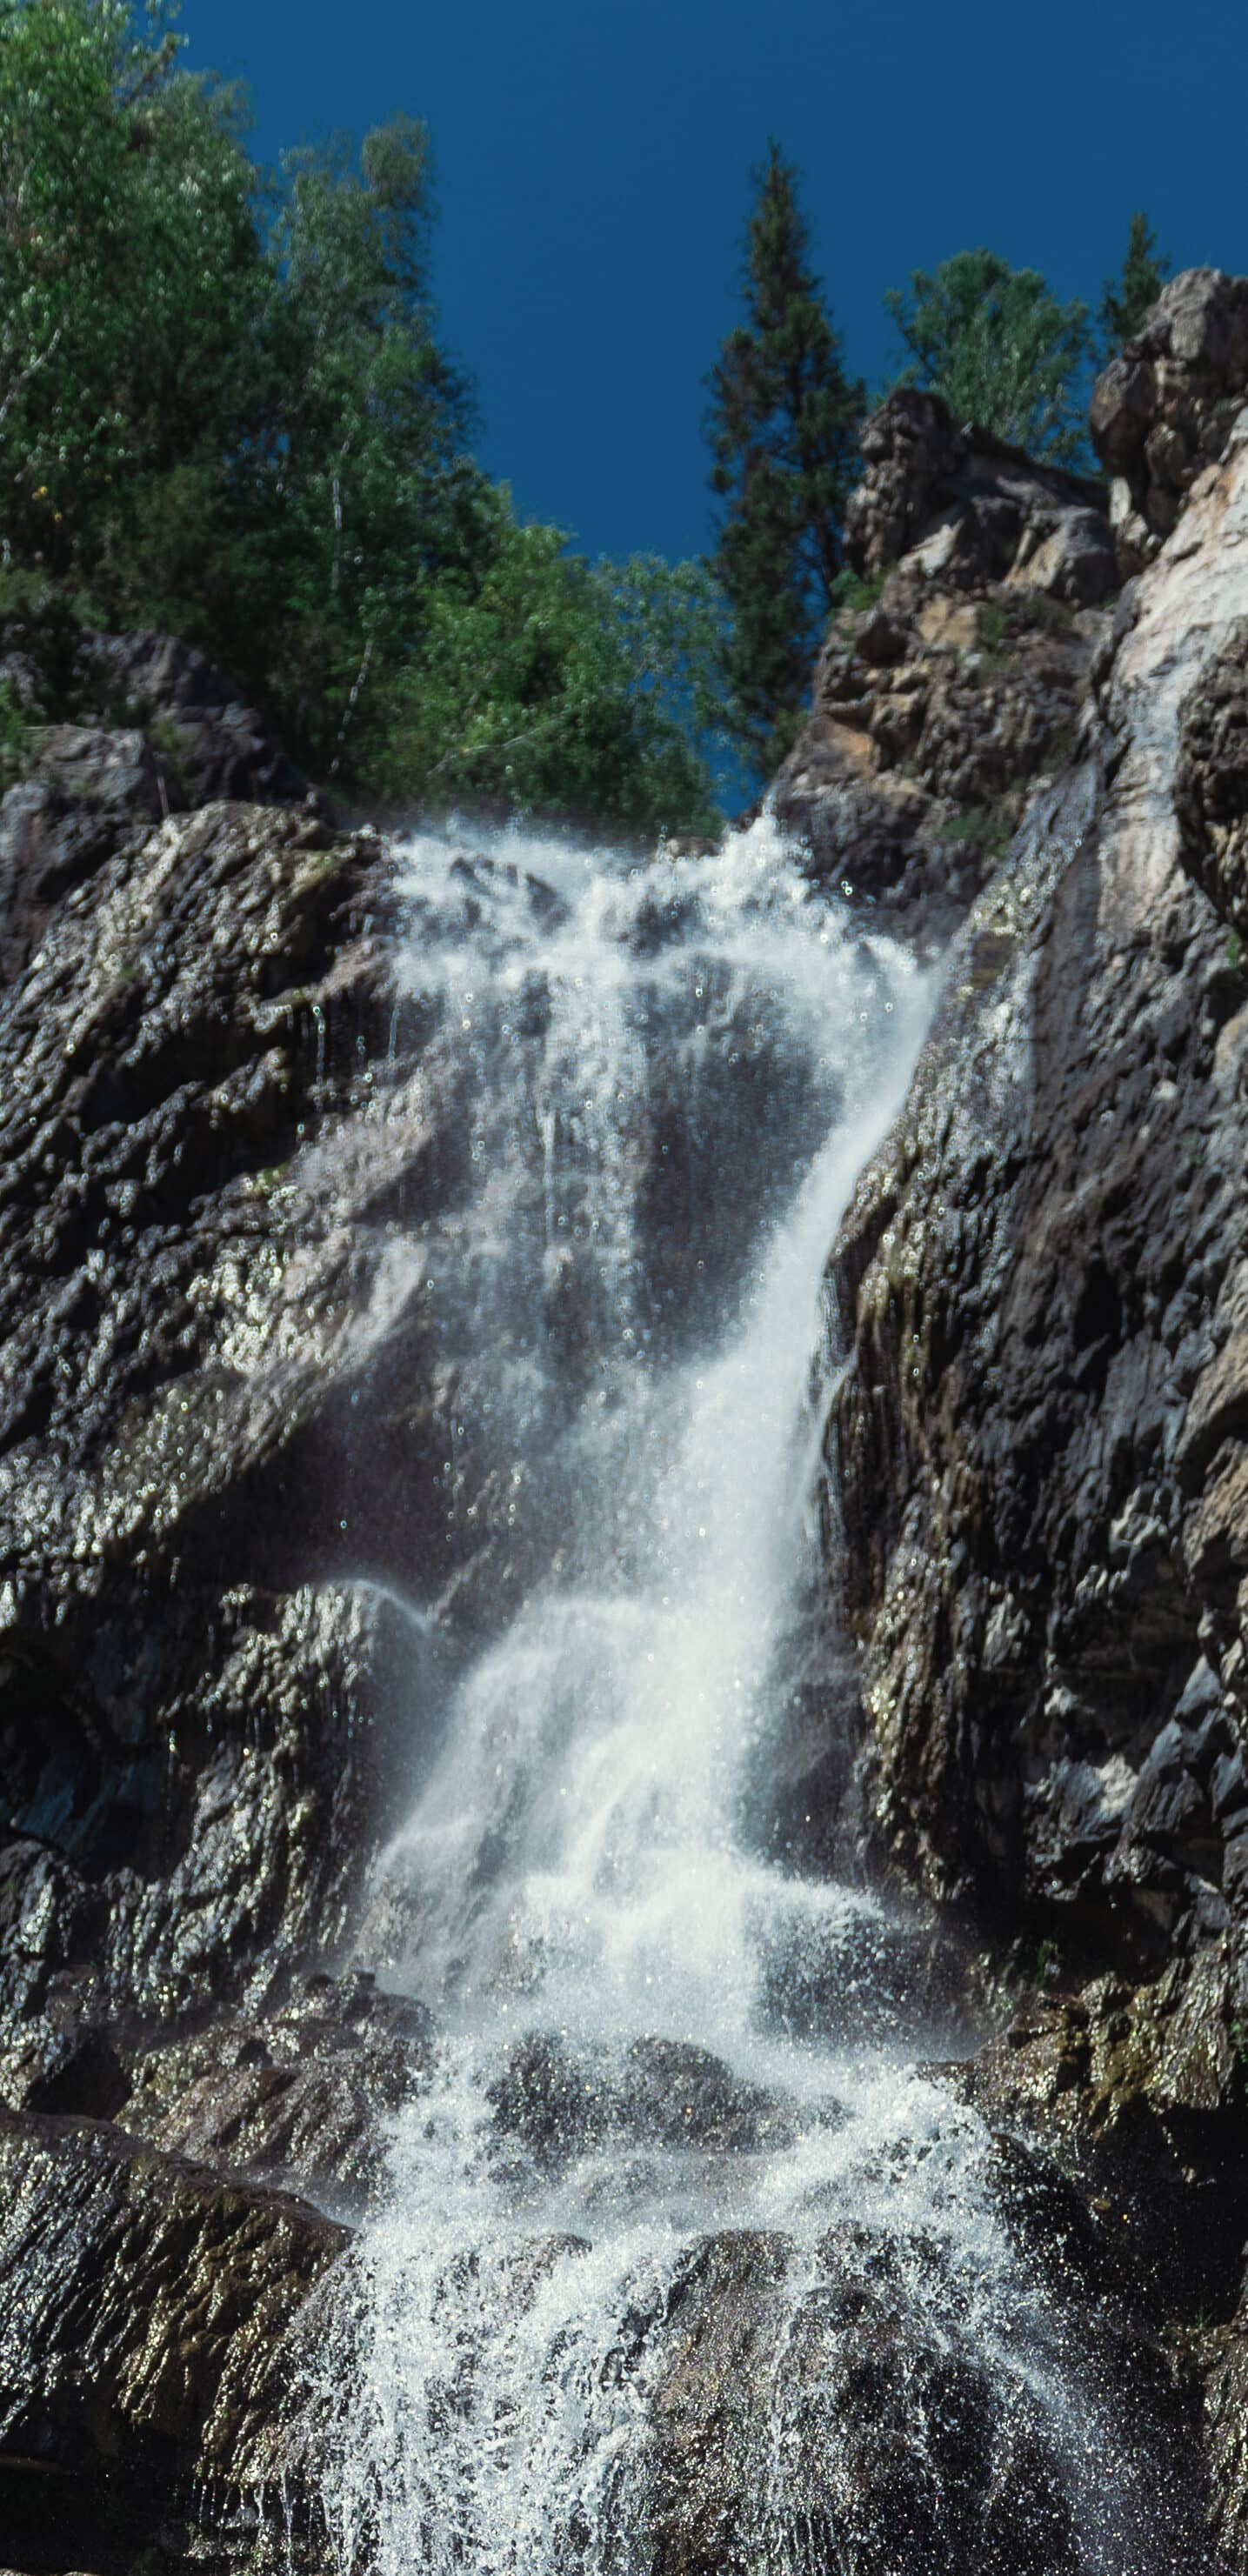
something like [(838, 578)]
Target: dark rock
[(1211, 781), (562, 2101), (144, 728), (144, 2329), (841, 2416), (300, 2095)]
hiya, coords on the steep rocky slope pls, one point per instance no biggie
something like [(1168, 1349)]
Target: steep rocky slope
[(1039, 1444), (211, 1120)]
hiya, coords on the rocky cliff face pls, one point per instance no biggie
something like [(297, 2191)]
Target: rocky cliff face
[(198, 1211), (960, 680), (1039, 1446)]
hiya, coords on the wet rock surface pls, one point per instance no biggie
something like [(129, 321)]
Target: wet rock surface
[(960, 683), (560, 2102), (146, 2310), (1039, 1444), (890, 2443)]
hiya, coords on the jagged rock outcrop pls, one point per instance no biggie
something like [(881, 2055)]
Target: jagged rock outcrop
[(960, 681), (1039, 1443), (1163, 409)]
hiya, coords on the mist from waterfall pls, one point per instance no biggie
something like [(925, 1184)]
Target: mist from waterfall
[(667, 2040)]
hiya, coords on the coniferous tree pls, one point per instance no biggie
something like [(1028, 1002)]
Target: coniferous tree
[(1127, 299), (782, 428)]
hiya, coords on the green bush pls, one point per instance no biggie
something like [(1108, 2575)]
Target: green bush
[(558, 686)]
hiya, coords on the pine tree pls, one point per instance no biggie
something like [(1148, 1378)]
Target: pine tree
[(1126, 300), (782, 428)]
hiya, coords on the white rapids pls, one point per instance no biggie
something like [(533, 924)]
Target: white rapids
[(670, 1075)]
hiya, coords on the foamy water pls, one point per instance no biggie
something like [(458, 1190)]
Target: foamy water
[(668, 1078)]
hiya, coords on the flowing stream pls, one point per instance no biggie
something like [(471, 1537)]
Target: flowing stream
[(685, 2262)]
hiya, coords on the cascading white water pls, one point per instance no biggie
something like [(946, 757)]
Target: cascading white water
[(655, 2027)]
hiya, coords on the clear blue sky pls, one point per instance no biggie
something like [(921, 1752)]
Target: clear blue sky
[(593, 162)]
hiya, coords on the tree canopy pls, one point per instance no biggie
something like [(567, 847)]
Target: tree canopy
[(1000, 349), (225, 410)]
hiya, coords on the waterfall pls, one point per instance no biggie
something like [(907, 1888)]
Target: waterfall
[(679, 2090)]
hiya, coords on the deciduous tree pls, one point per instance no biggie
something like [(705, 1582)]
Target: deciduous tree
[(1000, 349)]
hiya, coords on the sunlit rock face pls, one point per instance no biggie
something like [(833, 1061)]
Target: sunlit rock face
[(1163, 410), (942, 702), (1043, 1272)]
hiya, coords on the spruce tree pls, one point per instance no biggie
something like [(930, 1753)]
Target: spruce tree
[(782, 428), (1127, 299)]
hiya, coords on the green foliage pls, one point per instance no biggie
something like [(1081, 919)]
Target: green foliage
[(855, 591), (986, 827), (1234, 949), (999, 348), (130, 269), (1128, 299), (15, 731), (561, 686), (782, 424), (224, 408), (992, 625)]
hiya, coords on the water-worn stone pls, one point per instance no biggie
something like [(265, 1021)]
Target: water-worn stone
[(837, 2419), (300, 2095), (561, 2101), (143, 2334)]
